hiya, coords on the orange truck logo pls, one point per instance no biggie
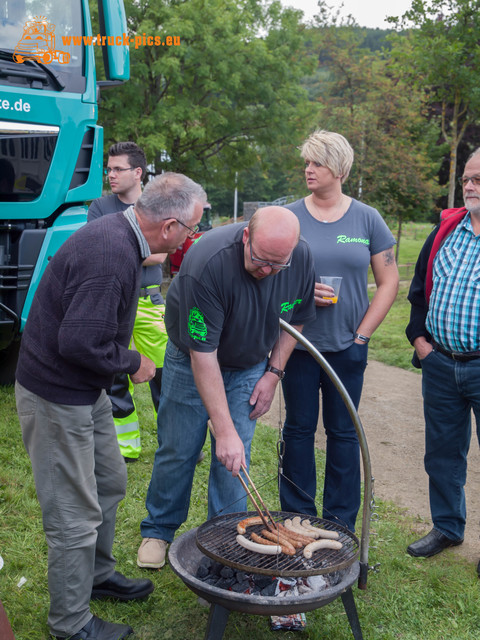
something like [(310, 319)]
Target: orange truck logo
[(38, 43)]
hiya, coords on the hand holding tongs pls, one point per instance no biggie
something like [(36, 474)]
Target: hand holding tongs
[(259, 511)]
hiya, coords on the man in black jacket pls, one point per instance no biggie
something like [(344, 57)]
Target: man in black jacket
[(75, 340), (445, 332)]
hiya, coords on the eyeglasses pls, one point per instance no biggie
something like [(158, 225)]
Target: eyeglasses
[(265, 263), (475, 180), (110, 170), (192, 231)]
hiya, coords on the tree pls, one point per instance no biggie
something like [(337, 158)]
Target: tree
[(440, 54), (384, 120), (227, 93)]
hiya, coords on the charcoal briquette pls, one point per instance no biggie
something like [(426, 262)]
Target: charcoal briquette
[(263, 581), (270, 590), (227, 572)]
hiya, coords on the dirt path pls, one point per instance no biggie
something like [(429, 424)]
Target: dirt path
[(392, 417)]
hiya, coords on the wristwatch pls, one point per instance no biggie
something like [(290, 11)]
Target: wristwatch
[(277, 372), (365, 339)]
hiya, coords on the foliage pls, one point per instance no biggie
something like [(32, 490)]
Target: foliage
[(383, 118), (440, 54), (215, 103), (412, 599)]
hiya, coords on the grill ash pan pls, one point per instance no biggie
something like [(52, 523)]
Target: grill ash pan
[(216, 538)]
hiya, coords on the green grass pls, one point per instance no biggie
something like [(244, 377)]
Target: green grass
[(413, 236), (389, 343), (409, 599), (412, 239)]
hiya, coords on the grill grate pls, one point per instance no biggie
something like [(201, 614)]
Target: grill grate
[(216, 538)]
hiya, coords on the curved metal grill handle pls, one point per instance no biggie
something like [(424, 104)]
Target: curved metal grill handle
[(367, 471)]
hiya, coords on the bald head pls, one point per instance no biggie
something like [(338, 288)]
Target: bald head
[(271, 237)]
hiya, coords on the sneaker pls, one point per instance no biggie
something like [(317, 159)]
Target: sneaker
[(151, 553)]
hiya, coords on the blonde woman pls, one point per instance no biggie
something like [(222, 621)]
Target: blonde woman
[(346, 237)]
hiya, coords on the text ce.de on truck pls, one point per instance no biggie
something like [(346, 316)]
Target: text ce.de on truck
[(51, 147)]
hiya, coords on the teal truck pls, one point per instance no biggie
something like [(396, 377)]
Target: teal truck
[(51, 147)]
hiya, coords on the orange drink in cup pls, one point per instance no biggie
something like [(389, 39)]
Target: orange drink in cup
[(334, 282)]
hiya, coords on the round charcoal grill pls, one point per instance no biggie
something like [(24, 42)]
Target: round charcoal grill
[(216, 538)]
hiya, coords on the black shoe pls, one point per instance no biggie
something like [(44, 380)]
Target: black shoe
[(129, 460), (478, 569), (431, 544), (97, 629), (122, 588)]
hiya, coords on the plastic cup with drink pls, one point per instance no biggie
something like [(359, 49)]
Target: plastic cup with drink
[(334, 282)]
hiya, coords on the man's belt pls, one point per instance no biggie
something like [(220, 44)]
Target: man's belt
[(147, 291), (455, 355)]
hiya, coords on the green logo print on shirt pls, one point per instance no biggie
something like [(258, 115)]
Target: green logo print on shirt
[(342, 239), (288, 306), (197, 329)]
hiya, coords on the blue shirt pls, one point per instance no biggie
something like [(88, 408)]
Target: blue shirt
[(454, 312)]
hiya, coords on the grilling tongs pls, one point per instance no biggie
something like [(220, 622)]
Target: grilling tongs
[(255, 504)]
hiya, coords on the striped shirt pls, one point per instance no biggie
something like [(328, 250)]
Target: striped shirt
[(453, 318)]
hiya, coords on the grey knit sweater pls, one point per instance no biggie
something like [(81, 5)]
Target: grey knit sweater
[(81, 320)]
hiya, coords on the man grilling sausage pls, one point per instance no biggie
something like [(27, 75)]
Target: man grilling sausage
[(224, 358)]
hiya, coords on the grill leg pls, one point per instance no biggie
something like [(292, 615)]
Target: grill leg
[(217, 621), (352, 615)]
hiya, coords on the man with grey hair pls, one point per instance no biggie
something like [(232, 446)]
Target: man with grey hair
[(445, 332), (75, 340), (126, 168)]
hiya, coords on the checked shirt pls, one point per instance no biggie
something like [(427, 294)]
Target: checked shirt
[(454, 313)]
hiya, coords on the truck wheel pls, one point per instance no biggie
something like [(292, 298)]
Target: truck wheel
[(8, 363)]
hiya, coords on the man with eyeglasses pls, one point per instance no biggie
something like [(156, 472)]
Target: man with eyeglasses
[(224, 358), (444, 328), (75, 340), (126, 170)]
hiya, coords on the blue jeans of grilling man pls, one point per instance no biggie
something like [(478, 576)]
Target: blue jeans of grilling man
[(450, 391), (182, 429), (303, 379)]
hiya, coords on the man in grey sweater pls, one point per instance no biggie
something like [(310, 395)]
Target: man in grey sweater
[(75, 340)]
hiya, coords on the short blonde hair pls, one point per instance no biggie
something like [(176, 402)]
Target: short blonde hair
[(330, 150)]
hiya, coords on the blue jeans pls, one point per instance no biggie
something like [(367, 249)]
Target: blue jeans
[(450, 391), (182, 429), (303, 379)]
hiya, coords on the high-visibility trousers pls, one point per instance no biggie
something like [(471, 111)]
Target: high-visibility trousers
[(150, 339)]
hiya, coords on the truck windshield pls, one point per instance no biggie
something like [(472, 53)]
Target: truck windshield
[(37, 33)]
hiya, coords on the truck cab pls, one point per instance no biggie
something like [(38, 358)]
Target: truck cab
[(51, 147)]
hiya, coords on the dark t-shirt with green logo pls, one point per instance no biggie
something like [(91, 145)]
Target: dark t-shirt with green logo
[(342, 248), (214, 303)]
